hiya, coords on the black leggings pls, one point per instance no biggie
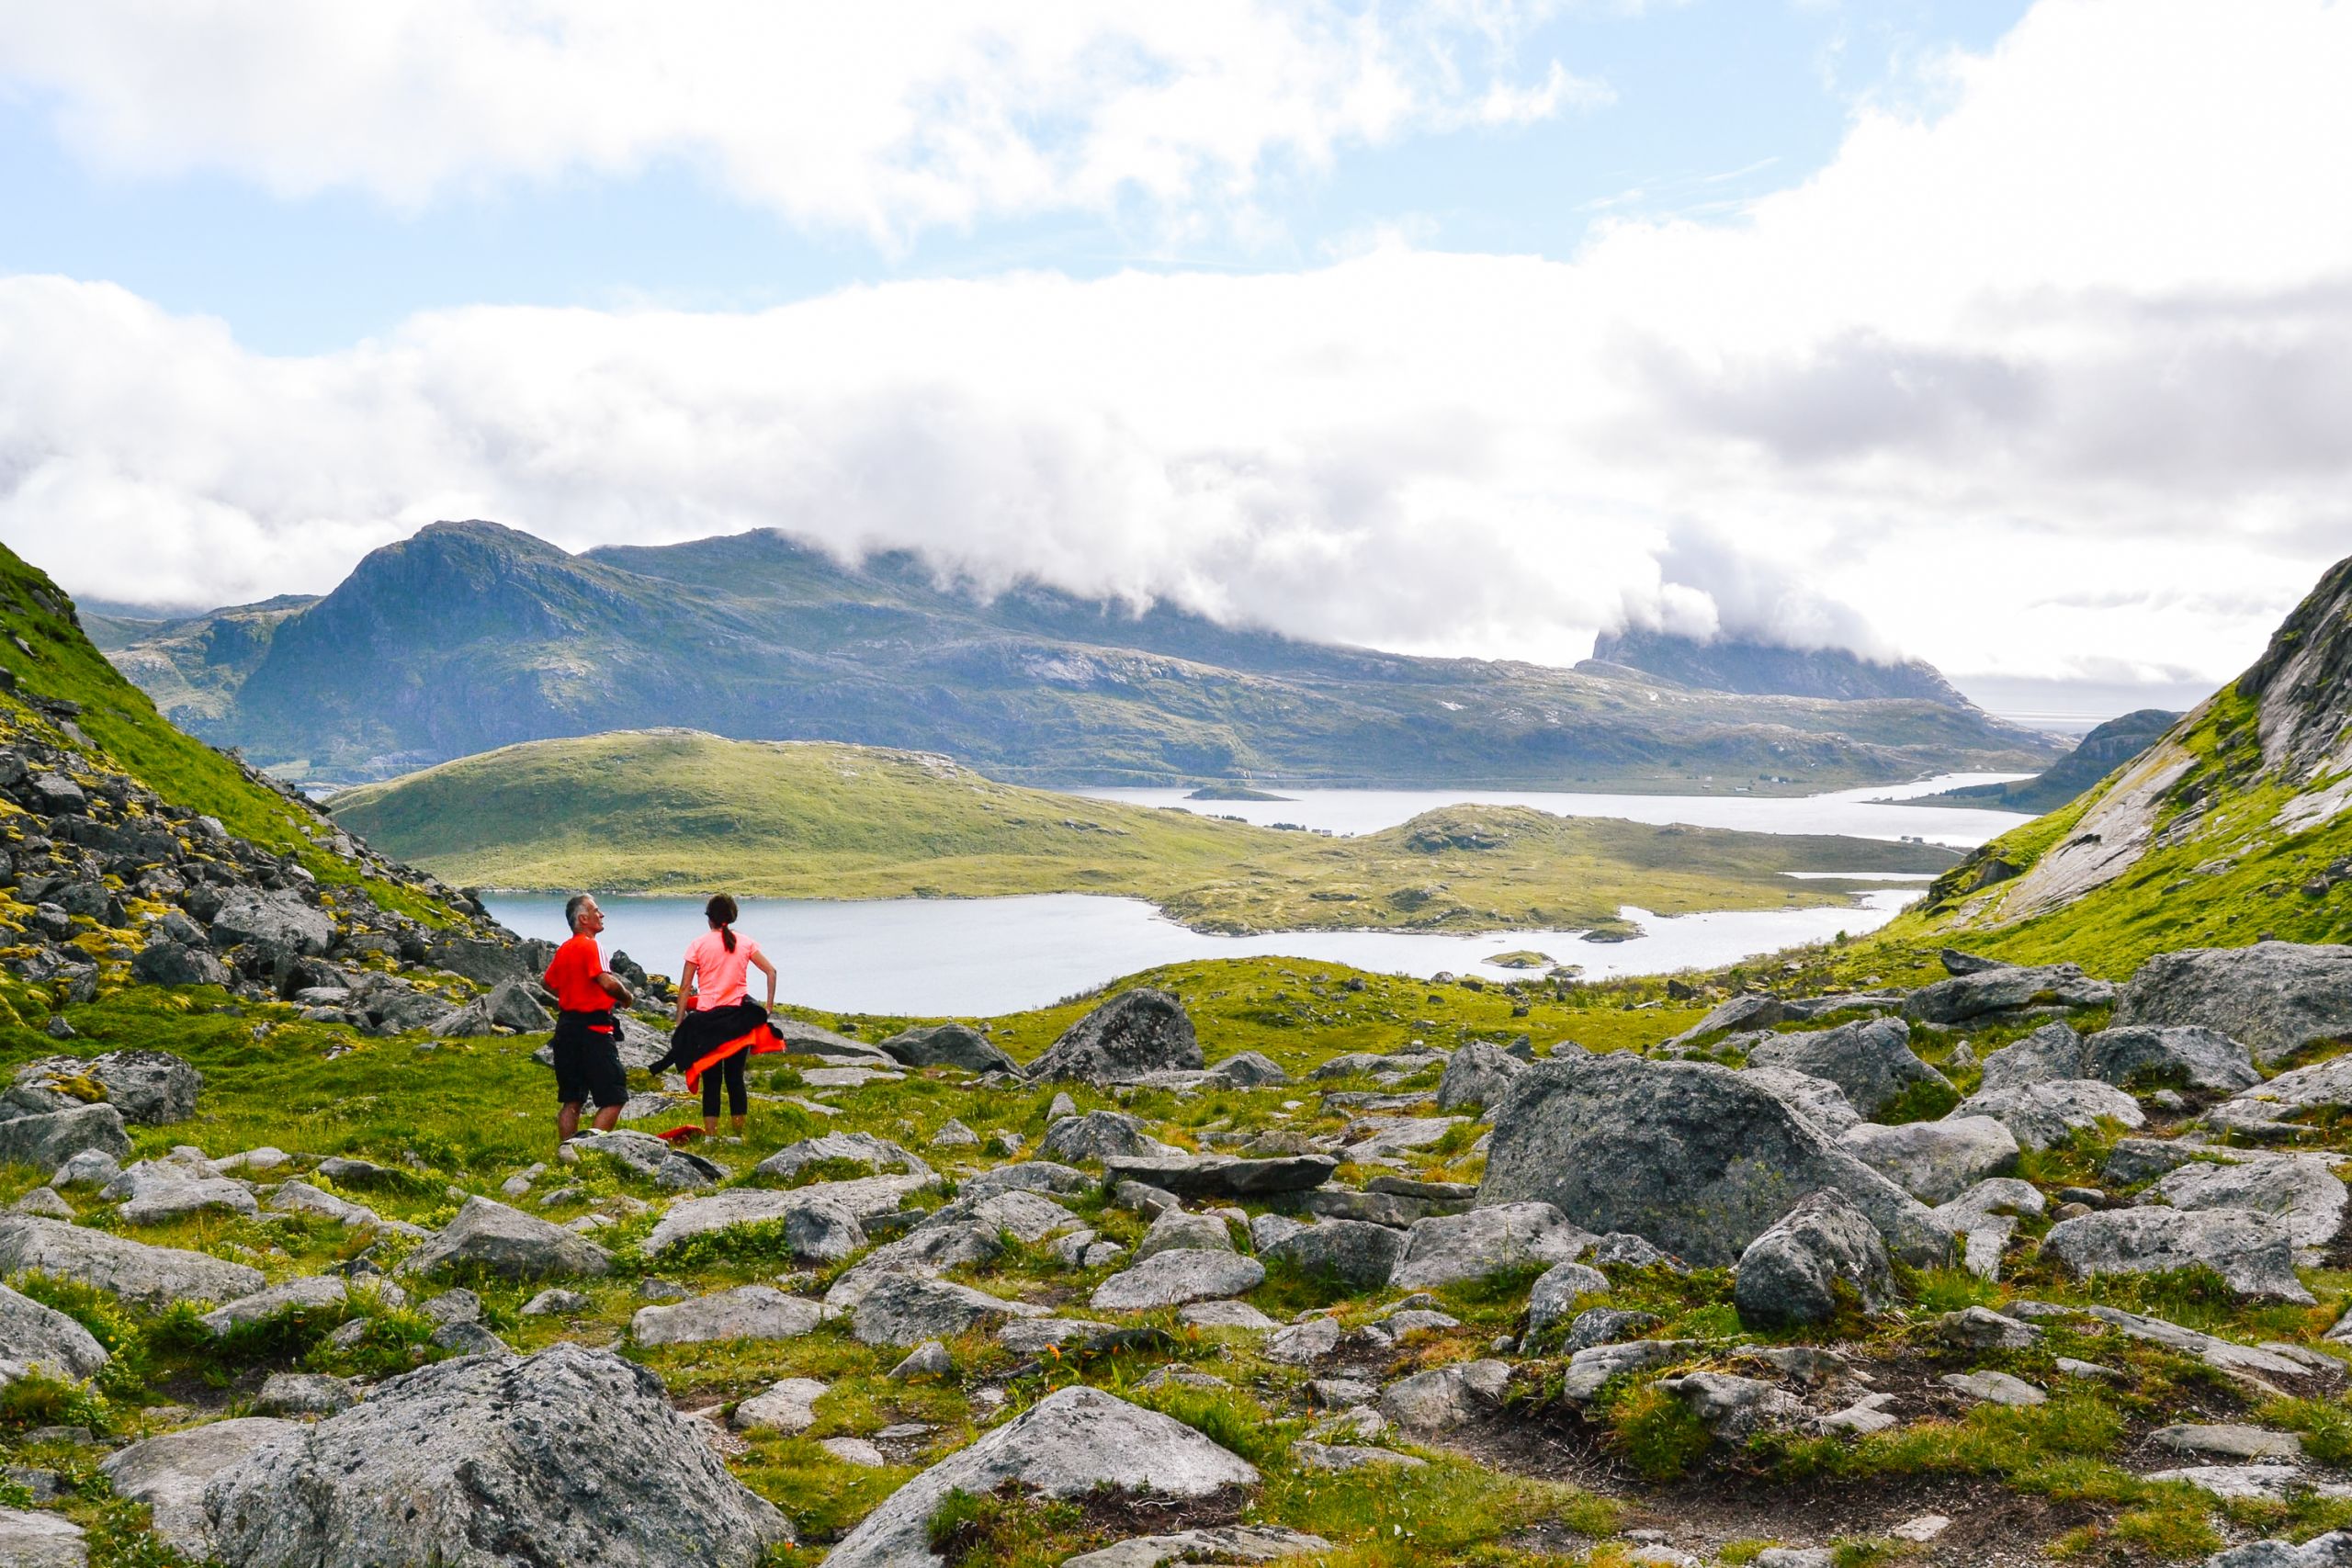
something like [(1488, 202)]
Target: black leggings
[(739, 1096)]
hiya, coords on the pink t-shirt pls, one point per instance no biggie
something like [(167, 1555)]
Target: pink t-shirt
[(719, 973)]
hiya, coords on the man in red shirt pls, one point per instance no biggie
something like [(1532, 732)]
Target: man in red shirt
[(587, 1037)]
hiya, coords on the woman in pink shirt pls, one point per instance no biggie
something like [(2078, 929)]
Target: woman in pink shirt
[(718, 1025)]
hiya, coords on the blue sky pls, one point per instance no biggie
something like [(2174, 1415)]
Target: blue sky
[(2014, 336), (1713, 103)]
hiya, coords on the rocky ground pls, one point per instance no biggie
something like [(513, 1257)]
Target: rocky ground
[(2013, 1266)]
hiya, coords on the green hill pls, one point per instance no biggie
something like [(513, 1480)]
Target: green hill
[(681, 811), (2236, 824), (470, 637), (2099, 753)]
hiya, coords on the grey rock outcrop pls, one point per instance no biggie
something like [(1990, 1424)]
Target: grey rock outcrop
[(1477, 1073), (1135, 1033), (1870, 1061), (1071, 1442), (46, 1140), (1358, 1254), (2183, 1055), (1686, 1154), (1967, 996), (272, 919), (510, 1244), (152, 1275), (2051, 1052), (848, 1148), (1173, 1277), (1430, 1403), (1099, 1136), (789, 1406), (1178, 1230), (2254, 1254), (1789, 1275), (2303, 1195), (948, 1045), (2275, 997), (748, 1311), (907, 1309), (29, 1538), (571, 1455), (171, 1474), (1221, 1176), (2042, 1115), (1936, 1161), (1818, 1101)]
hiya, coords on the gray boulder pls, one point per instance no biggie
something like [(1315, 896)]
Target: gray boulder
[(2048, 1054), (1135, 1033), (930, 1251), (571, 1455), (304, 1294), (1027, 1176), (171, 1474), (164, 961), (850, 1148), (29, 1538), (907, 1309), (150, 1276), (153, 1089), (1448, 1248), (1098, 1135), (2042, 1115), (1477, 1073), (1071, 1443), (2276, 997), (1430, 1403), (1818, 1101), (45, 1340), (1747, 1010), (748, 1311), (1789, 1276), (510, 1244), (789, 1406), (1358, 1254), (1967, 996), (2303, 1195), (1221, 1176), (2185, 1056), (1870, 1061), (1175, 1230), (2333, 1550), (272, 919), (1687, 1154), (822, 1222), (1554, 1296), (47, 1139), (1936, 1161), (948, 1045), (2254, 1254), (304, 1393), (1173, 1277), (1248, 1069), (511, 1003)]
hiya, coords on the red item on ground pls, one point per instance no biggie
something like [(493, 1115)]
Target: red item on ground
[(679, 1134)]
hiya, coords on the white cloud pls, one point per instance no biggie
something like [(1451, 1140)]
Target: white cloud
[(886, 116), (2050, 384)]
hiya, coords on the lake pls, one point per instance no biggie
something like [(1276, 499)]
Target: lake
[(980, 956)]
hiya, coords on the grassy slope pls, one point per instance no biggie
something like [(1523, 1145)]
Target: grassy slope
[(648, 811), (122, 724)]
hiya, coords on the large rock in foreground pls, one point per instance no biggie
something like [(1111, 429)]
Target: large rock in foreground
[(45, 1340), (47, 1139), (2275, 997), (2254, 1254), (510, 1244), (571, 1455), (1135, 1033), (1687, 1154), (152, 1275), (1074, 1442), (1790, 1275), (170, 1473)]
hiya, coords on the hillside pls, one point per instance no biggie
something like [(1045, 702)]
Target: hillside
[(2102, 751), (2234, 825), (470, 637), (1759, 669), (679, 810)]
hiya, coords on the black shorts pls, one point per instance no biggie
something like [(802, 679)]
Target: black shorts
[(587, 1064)]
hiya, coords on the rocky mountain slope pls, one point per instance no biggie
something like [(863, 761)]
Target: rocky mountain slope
[(652, 810), (1736, 664), (2235, 823), (471, 635), (2101, 752)]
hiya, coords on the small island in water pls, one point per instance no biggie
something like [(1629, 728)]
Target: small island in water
[(1232, 792)]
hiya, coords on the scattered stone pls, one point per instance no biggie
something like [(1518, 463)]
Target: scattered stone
[(1965, 998), (89, 1166), (907, 1309), (1606, 1325), (554, 1303), (1927, 1527), (1818, 1101), (1870, 1061), (1553, 1295), (2276, 997), (170, 1473), (948, 1045), (32, 1335), (748, 1311), (789, 1408), (928, 1359), (1302, 1344), (1431, 1404), (1788, 1275), (1221, 1176), (854, 1451), (2254, 1254), (2304, 1194), (304, 1294), (1175, 1230), (1071, 1442), (1995, 1388), (1342, 1457), (46, 1140), (1171, 1278), (1477, 1073), (861, 1149), (1981, 1328), (150, 1276), (31, 1539), (1360, 1256), (44, 1202), (1248, 1069), (2228, 1441), (2184, 1056), (2042, 1115), (822, 1223), (304, 1393), (1591, 1368), (1099, 1136), (1225, 1315), (1730, 1405), (1224, 1543)]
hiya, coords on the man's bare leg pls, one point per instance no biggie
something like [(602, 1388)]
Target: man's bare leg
[(607, 1118), (567, 1120), (739, 1126)]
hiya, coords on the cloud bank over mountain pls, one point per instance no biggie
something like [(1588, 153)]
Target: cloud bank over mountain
[(2043, 377)]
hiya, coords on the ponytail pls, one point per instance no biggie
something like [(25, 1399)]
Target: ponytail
[(721, 912)]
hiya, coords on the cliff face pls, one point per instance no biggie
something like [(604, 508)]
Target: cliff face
[(2103, 750), (1757, 669), (471, 635)]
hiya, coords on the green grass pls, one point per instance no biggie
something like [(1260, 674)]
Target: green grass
[(678, 811)]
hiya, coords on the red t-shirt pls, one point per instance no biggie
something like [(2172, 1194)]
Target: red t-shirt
[(571, 975)]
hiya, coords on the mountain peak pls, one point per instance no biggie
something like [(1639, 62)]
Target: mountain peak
[(2304, 684), (1757, 669)]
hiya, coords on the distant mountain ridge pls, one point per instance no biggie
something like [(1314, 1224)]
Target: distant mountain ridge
[(1759, 669), (472, 635), (2102, 751)]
